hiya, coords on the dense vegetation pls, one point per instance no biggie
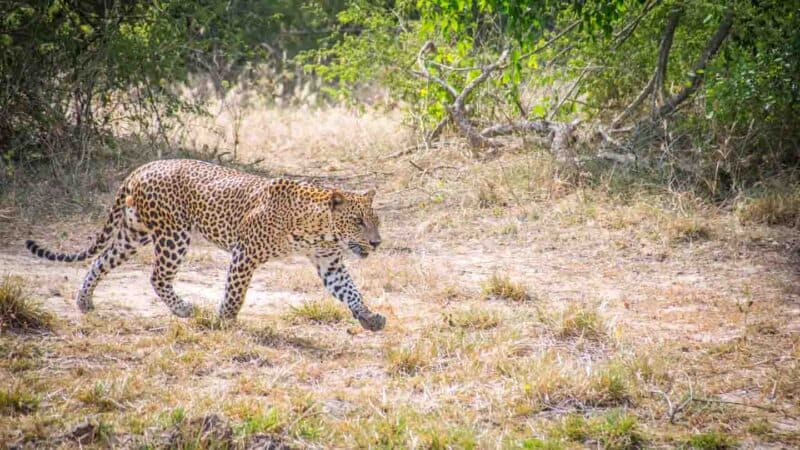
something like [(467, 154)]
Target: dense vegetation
[(705, 94), (76, 71)]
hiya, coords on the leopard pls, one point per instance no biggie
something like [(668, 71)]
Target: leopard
[(253, 217)]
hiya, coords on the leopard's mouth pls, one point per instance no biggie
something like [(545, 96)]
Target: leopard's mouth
[(357, 249)]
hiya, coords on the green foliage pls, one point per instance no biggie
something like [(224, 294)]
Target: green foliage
[(261, 422), (738, 128), (71, 71), (710, 441), (467, 34), (613, 430)]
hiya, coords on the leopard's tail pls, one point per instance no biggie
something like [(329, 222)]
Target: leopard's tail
[(100, 242)]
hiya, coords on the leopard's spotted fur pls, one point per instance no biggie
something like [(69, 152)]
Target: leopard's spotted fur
[(254, 218)]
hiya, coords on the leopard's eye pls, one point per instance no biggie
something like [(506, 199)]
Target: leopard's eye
[(360, 221)]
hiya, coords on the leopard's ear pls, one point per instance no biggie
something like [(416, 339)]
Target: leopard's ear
[(337, 199), (370, 194)]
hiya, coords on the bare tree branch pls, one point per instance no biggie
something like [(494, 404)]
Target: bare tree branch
[(485, 73), (663, 57), (455, 110), (561, 134), (659, 91), (437, 130), (570, 91), (550, 42), (696, 77), (525, 126), (634, 104), (430, 47), (622, 35)]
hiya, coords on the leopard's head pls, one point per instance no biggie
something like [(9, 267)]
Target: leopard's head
[(355, 222)]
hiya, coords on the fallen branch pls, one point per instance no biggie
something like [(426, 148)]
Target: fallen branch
[(619, 158), (524, 126), (748, 405), (560, 134)]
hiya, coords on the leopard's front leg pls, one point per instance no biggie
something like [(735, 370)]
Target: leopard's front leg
[(240, 272), (339, 283)]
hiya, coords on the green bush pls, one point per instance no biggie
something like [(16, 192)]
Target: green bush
[(739, 127), (71, 70)]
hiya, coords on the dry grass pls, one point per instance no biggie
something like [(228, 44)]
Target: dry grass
[(682, 229), (17, 399), (582, 322), (502, 287), (474, 319), (18, 311), (333, 138), (643, 300), (407, 359), (775, 207)]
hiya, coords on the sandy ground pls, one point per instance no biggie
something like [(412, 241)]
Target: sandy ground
[(681, 289)]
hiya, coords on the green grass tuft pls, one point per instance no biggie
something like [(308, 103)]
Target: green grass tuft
[(711, 441), (318, 311), (260, 422), (99, 395), (17, 400), (582, 322), (407, 359), (207, 319), (613, 430), (542, 444), (611, 386)]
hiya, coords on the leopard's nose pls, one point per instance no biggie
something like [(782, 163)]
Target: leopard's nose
[(375, 244)]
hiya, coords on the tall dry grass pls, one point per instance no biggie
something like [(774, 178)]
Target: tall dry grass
[(291, 139)]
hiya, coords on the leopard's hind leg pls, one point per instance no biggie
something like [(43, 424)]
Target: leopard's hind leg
[(170, 250), (122, 247)]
